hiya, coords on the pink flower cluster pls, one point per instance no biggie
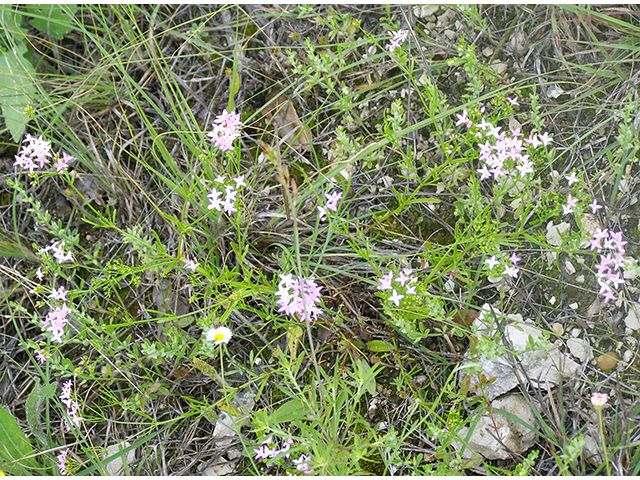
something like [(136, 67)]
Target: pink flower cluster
[(71, 406), (503, 153), (403, 281), (332, 204), (397, 39), (510, 270), (230, 192), (299, 296), (56, 319), (608, 269), (62, 461), (226, 128), (36, 152), (265, 452), (58, 252)]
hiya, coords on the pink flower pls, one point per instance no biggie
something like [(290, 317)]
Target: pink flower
[(190, 264), (396, 297), (71, 406), (599, 400), (332, 200), (513, 101), (492, 262), (463, 119), (397, 40), (595, 206), (404, 276), (568, 208), (511, 271), (299, 296), (40, 357), (533, 141), (59, 294), (55, 321), (514, 258), (33, 153), (62, 162), (226, 128), (545, 138), (571, 179), (62, 461), (385, 281)]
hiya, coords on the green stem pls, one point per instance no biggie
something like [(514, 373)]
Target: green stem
[(604, 445)]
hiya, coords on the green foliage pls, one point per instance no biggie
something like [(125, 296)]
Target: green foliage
[(35, 402), (17, 88), (52, 19), (16, 455), (17, 74)]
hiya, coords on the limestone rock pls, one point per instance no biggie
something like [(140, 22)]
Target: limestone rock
[(483, 438)]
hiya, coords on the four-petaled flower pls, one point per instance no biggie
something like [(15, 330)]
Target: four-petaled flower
[(595, 206), (396, 297), (571, 179), (545, 138), (568, 208), (190, 264), (492, 262), (463, 119)]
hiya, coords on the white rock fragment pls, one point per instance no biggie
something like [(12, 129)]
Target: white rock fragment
[(425, 10), (568, 266), (544, 364), (514, 437), (227, 426), (221, 467), (554, 237), (632, 320), (574, 306), (116, 467), (554, 91), (580, 349)]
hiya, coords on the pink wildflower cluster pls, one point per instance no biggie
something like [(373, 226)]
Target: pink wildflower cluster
[(397, 39), (36, 152), (503, 153), (57, 319), (510, 270), (332, 204), (230, 193), (608, 269), (266, 451), (62, 461), (70, 405), (299, 296), (403, 281), (226, 128), (58, 252)]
